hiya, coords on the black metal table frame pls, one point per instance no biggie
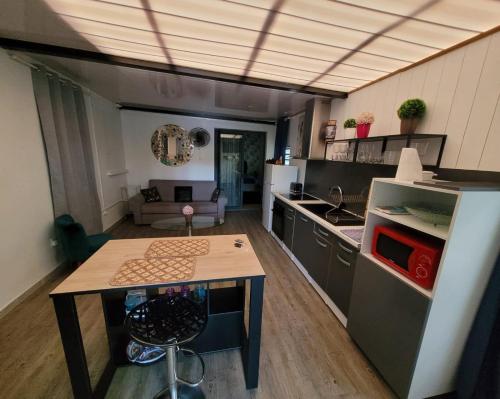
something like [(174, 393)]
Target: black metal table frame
[(71, 336)]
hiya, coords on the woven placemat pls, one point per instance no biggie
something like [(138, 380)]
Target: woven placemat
[(190, 247), (154, 270)]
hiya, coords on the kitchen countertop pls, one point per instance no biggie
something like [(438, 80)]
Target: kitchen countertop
[(334, 229)]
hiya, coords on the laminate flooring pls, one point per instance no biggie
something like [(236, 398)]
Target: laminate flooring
[(306, 353)]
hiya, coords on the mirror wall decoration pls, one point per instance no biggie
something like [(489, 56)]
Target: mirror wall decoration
[(200, 137), (171, 145)]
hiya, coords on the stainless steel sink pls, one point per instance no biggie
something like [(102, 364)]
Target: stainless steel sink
[(335, 216)]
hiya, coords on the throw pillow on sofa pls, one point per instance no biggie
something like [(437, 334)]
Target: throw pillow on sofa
[(151, 194), (215, 195)]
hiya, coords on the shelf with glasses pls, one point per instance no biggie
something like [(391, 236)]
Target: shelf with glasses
[(386, 150)]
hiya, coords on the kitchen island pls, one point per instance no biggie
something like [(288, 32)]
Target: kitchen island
[(224, 262)]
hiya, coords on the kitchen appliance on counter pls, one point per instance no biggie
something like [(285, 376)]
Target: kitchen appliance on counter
[(414, 255), (277, 178), (295, 188)]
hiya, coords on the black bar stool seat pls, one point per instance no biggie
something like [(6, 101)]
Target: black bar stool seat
[(167, 323)]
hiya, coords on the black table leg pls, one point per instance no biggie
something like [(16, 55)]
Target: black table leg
[(113, 306), (71, 336), (251, 347)]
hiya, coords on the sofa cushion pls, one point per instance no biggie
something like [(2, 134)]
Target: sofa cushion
[(200, 207), (151, 194), (215, 195)]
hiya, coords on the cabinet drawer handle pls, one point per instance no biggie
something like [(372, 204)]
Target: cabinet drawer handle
[(323, 233), (290, 210), (321, 244), (304, 219), (349, 251), (289, 217), (343, 261)]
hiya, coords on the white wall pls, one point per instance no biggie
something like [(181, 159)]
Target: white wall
[(138, 127), (461, 90), (109, 156), (25, 201)]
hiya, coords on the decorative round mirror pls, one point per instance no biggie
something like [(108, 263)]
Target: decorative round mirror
[(171, 145), (199, 136)]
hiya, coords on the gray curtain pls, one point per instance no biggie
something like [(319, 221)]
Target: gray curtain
[(230, 169), (65, 129)]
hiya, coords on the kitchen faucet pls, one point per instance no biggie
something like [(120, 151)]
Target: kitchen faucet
[(341, 195), (341, 199)]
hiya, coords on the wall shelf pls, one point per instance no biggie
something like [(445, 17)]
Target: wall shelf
[(116, 172), (386, 150)]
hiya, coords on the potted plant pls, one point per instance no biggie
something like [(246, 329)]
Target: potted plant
[(349, 128), (410, 113), (363, 123)]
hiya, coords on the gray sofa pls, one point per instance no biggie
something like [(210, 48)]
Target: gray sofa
[(147, 213)]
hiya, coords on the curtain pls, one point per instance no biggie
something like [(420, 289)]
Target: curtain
[(64, 123), (281, 138), (230, 169)]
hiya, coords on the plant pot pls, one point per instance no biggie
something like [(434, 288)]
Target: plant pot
[(362, 130), (408, 126), (349, 132)]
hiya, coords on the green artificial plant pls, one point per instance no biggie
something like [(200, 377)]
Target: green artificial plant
[(413, 108), (349, 123)]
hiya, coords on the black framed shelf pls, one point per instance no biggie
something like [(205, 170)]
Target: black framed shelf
[(386, 150)]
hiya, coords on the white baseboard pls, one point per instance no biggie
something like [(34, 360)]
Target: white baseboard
[(51, 276), (335, 310)]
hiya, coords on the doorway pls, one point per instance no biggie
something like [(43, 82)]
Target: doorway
[(239, 166)]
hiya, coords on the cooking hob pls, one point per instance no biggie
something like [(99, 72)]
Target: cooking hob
[(298, 197)]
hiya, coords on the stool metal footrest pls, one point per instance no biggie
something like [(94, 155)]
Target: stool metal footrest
[(183, 392), (189, 383), (179, 388)]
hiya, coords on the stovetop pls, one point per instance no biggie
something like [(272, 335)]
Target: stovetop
[(298, 197)]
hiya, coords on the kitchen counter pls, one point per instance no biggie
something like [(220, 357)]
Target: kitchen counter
[(224, 262), (334, 229)]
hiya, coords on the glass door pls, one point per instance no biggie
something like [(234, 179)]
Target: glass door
[(230, 168)]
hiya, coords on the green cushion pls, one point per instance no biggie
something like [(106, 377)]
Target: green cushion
[(96, 241)]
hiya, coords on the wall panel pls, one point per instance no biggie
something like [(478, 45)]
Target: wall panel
[(462, 102), (461, 89), (482, 110), (430, 90), (490, 155)]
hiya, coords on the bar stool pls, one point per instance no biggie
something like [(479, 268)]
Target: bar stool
[(168, 323)]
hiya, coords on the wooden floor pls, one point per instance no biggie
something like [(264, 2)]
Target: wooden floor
[(306, 353)]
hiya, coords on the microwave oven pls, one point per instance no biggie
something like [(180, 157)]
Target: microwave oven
[(414, 255)]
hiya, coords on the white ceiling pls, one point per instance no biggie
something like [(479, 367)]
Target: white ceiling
[(182, 93), (333, 45)]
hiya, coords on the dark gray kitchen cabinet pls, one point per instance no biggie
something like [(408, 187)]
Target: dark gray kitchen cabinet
[(386, 319), (288, 227), (303, 239), (341, 274), (320, 253)]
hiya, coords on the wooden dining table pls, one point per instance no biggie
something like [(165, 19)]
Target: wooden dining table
[(224, 262)]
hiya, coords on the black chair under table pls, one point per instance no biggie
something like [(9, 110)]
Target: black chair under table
[(167, 323)]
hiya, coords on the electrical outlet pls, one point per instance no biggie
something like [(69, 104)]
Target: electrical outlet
[(53, 243)]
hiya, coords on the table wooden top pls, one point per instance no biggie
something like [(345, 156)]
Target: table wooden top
[(223, 262)]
